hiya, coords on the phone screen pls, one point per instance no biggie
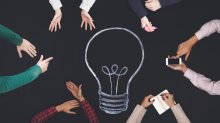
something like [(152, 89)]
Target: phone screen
[(173, 61)]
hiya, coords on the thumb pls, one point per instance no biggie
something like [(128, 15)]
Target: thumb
[(80, 89), (70, 112), (19, 53), (41, 58)]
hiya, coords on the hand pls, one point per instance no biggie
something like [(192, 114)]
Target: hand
[(146, 102), (27, 47), (186, 47), (169, 99), (55, 23), (146, 25), (76, 91), (43, 64), (87, 19), (179, 67), (67, 106), (153, 5)]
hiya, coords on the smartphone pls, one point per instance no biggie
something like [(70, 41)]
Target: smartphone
[(170, 61)]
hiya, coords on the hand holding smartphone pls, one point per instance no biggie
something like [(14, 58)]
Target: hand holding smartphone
[(171, 61)]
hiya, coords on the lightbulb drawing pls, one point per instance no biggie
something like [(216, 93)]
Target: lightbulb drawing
[(113, 102)]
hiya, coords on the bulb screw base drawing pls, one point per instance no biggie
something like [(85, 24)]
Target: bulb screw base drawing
[(113, 104)]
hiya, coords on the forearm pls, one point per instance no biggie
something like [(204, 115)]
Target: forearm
[(137, 115), (44, 115), (165, 3), (180, 114), (138, 7), (56, 4), (8, 83), (203, 83), (87, 4), (10, 36), (208, 28), (89, 112)]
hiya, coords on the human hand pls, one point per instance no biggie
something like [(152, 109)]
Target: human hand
[(186, 47), (146, 102), (76, 91), (178, 67), (146, 25), (27, 47), (67, 106), (87, 20), (169, 99), (43, 64), (153, 5), (55, 23)]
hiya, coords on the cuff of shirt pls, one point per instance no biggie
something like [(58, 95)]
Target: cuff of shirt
[(84, 6), (56, 5), (199, 35), (189, 73)]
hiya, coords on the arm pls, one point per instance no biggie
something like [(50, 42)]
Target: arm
[(47, 114), (44, 115), (165, 3), (56, 4), (8, 83), (10, 36), (137, 115), (138, 8), (202, 82), (87, 4), (89, 112), (77, 93), (140, 110), (208, 28), (179, 114)]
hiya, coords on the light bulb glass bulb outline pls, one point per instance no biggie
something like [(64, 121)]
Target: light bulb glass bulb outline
[(126, 100)]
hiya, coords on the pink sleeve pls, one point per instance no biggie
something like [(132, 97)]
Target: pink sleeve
[(208, 28), (203, 83)]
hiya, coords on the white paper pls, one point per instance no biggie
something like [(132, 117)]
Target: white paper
[(159, 104)]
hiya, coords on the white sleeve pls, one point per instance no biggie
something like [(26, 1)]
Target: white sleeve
[(208, 28), (180, 114), (203, 83), (56, 4), (137, 115), (87, 4)]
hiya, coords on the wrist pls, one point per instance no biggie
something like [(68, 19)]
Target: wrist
[(58, 11), (144, 18), (171, 105), (58, 108), (81, 98), (184, 69)]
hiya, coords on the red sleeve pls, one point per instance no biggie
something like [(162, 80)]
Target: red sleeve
[(89, 112), (44, 115)]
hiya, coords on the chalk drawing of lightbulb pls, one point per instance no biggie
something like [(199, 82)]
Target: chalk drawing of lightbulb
[(112, 102)]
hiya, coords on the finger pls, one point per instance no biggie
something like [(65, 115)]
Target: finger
[(50, 26), (32, 52), (59, 25), (187, 56), (86, 26), (80, 89), (19, 53), (82, 24), (93, 25), (32, 46), (48, 59), (70, 112), (90, 26), (41, 58), (29, 53), (148, 1), (56, 26)]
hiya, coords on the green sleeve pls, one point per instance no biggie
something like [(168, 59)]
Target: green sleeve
[(10, 36), (8, 83)]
